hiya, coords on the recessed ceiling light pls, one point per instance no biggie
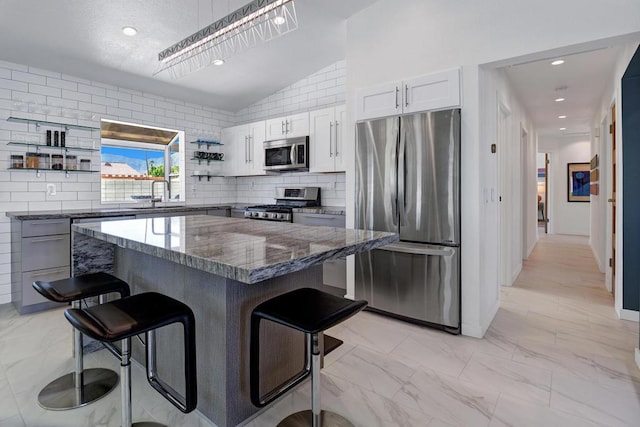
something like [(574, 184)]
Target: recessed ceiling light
[(562, 117), (559, 99), (279, 20), (129, 31), (563, 128), (558, 62), (218, 62)]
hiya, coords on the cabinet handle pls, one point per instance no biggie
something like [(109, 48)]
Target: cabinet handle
[(287, 127), (50, 239), (406, 95), (245, 150), (47, 222), (336, 138), (48, 273), (397, 93), (249, 148), (330, 139), (282, 127)]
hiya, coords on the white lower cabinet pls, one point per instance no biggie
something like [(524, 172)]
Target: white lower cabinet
[(327, 133)]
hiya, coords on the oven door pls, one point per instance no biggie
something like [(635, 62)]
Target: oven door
[(286, 154)]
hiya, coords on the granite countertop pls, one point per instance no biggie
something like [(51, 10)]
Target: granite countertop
[(110, 212), (247, 251)]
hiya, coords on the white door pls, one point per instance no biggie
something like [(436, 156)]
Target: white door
[(379, 101), (434, 91), (322, 140)]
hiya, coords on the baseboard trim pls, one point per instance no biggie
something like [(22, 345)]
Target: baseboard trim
[(638, 357), (630, 315), (478, 331), (515, 274), (595, 255)]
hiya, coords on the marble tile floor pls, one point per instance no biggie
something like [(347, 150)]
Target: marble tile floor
[(555, 355)]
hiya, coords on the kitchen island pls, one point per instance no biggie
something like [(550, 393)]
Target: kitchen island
[(222, 268)]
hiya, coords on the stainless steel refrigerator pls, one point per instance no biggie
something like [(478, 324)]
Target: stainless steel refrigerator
[(408, 182)]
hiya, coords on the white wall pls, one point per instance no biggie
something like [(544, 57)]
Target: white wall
[(324, 88), (392, 40), (24, 191), (566, 217)]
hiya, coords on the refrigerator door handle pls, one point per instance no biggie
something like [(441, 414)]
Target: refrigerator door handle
[(402, 179), (417, 249), (394, 180)]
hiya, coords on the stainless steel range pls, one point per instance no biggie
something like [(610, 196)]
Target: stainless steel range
[(287, 198)]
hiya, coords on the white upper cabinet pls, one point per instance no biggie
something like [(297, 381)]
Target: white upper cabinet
[(433, 91), (326, 136), (290, 126), (245, 153)]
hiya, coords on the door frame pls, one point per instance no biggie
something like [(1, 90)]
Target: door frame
[(504, 172), (525, 181)]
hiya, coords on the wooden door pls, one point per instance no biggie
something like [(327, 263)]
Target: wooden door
[(612, 261)]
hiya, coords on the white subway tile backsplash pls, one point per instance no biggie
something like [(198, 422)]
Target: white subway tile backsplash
[(93, 90), (28, 77), (14, 85), (130, 106), (45, 90), (62, 84), (72, 94), (104, 100), (121, 113), (120, 96)]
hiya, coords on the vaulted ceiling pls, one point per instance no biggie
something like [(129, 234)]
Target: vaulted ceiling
[(84, 38)]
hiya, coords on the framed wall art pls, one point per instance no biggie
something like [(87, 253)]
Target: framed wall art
[(578, 178)]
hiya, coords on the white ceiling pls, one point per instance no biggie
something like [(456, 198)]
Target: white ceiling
[(83, 38), (581, 80)]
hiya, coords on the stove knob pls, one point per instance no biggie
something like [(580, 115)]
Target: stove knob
[(274, 216), (256, 214), (281, 216), (265, 215)]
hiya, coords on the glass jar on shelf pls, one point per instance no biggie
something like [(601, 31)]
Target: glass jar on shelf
[(57, 162), (71, 162), (17, 161), (32, 160), (85, 164), (44, 161)]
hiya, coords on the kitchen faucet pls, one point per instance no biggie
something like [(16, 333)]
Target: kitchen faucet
[(153, 194)]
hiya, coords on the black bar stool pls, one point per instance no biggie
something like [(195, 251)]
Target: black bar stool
[(310, 311), (82, 386), (142, 313)]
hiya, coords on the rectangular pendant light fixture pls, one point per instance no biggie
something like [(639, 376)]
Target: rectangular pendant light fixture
[(256, 22)]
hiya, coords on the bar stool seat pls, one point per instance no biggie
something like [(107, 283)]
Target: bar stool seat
[(82, 386), (310, 311), (142, 313)]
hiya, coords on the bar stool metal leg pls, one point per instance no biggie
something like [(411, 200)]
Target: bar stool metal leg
[(125, 391), (315, 417), (79, 388)]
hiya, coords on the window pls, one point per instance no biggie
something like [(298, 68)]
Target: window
[(138, 162)]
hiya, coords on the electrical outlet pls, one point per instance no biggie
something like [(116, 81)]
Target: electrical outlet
[(51, 189)]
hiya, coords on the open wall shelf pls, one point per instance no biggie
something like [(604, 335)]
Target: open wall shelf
[(38, 146), (48, 123)]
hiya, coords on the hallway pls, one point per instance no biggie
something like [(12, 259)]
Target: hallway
[(555, 355)]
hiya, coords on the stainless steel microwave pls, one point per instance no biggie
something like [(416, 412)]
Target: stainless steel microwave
[(287, 154)]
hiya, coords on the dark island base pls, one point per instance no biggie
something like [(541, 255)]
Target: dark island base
[(222, 309)]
